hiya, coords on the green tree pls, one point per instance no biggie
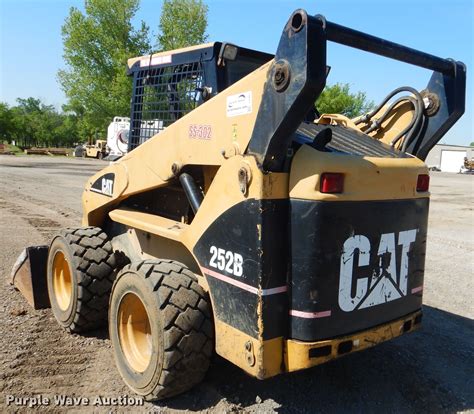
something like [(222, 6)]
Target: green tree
[(6, 122), (338, 99), (29, 118), (33, 123), (182, 23), (97, 45), (67, 133)]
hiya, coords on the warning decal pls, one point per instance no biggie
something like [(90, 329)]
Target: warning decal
[(239, 104)]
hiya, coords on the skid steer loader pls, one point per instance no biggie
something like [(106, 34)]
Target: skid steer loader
[(242, 221)]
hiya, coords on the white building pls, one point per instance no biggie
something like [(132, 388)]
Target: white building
[(449, 158)]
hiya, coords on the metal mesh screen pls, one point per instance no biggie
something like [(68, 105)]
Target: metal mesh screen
[(161, 96)]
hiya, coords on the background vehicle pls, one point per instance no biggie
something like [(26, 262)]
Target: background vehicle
[(248, 223), (97, 150), (117, 137), (468, 166)]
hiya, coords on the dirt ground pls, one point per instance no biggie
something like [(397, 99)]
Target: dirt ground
[(428, 371)]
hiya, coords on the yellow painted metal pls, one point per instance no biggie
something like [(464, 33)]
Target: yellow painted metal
[(151, 223), (221, 195), (396, 121), (365, 178), (259, 358), (297, 352), (134, 332), (272, 357), (175, 147), (225, 193), (62, 280), (337, 119)]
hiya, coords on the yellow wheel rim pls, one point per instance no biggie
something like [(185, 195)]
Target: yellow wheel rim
[(62, 281), (134, 332)]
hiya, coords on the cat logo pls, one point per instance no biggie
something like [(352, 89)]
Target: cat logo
[(383, 285), (107, 186), (104, 185)]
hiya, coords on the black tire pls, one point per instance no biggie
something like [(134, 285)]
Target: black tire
[(100, 155), (88, 257), (180, 332)]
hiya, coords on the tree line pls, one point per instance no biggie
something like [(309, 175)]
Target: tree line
[(97, 43), (31, 123)]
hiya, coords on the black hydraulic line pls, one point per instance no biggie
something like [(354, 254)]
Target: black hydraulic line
[(363, 41), (414, 132), (377, 123), (419, 112), (414, 126), (368, 116), (192, 191)]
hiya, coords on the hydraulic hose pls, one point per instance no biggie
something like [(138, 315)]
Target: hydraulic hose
[(376, 124), (412, 129)]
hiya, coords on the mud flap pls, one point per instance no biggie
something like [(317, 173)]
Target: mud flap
[(29, 276)]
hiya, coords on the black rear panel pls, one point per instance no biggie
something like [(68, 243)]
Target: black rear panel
[(355, 265)]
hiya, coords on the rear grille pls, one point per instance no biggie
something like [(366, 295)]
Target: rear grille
[(349, 141)]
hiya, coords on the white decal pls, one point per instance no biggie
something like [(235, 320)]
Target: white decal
[(239, 104), (155, 60), (346, 302), (383, 285), (107, 186), (405, 238), (226, 260)]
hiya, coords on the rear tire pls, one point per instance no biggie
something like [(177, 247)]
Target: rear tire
[(80, 275), (160, 327)]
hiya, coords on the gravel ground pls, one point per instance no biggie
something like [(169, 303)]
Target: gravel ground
[(428, 371)]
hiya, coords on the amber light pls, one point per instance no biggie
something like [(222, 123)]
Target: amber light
[(332, 183), (423, 183)]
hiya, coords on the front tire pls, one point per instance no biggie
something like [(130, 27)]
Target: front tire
[(160, 327), (80, 274)]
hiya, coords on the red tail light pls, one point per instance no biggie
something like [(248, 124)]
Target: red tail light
[(423, 183), (332, 183)]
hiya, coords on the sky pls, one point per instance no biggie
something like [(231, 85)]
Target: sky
[(31, 43)]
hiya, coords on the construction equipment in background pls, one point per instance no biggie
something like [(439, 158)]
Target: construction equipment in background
[(242, 221), (97, 150), (468, 166), (117, 138)]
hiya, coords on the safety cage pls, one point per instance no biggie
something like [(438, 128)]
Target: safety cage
[(168, 86)]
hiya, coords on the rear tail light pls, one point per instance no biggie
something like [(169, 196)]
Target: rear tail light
[(332, 183), (423, 183)]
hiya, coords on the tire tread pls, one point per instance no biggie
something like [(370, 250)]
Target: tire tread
[(188, 328), (95, 265)]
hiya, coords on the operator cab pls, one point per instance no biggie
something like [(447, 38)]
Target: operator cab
[(168, 85)]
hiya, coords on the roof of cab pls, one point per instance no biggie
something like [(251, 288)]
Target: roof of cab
[(164, 56)]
